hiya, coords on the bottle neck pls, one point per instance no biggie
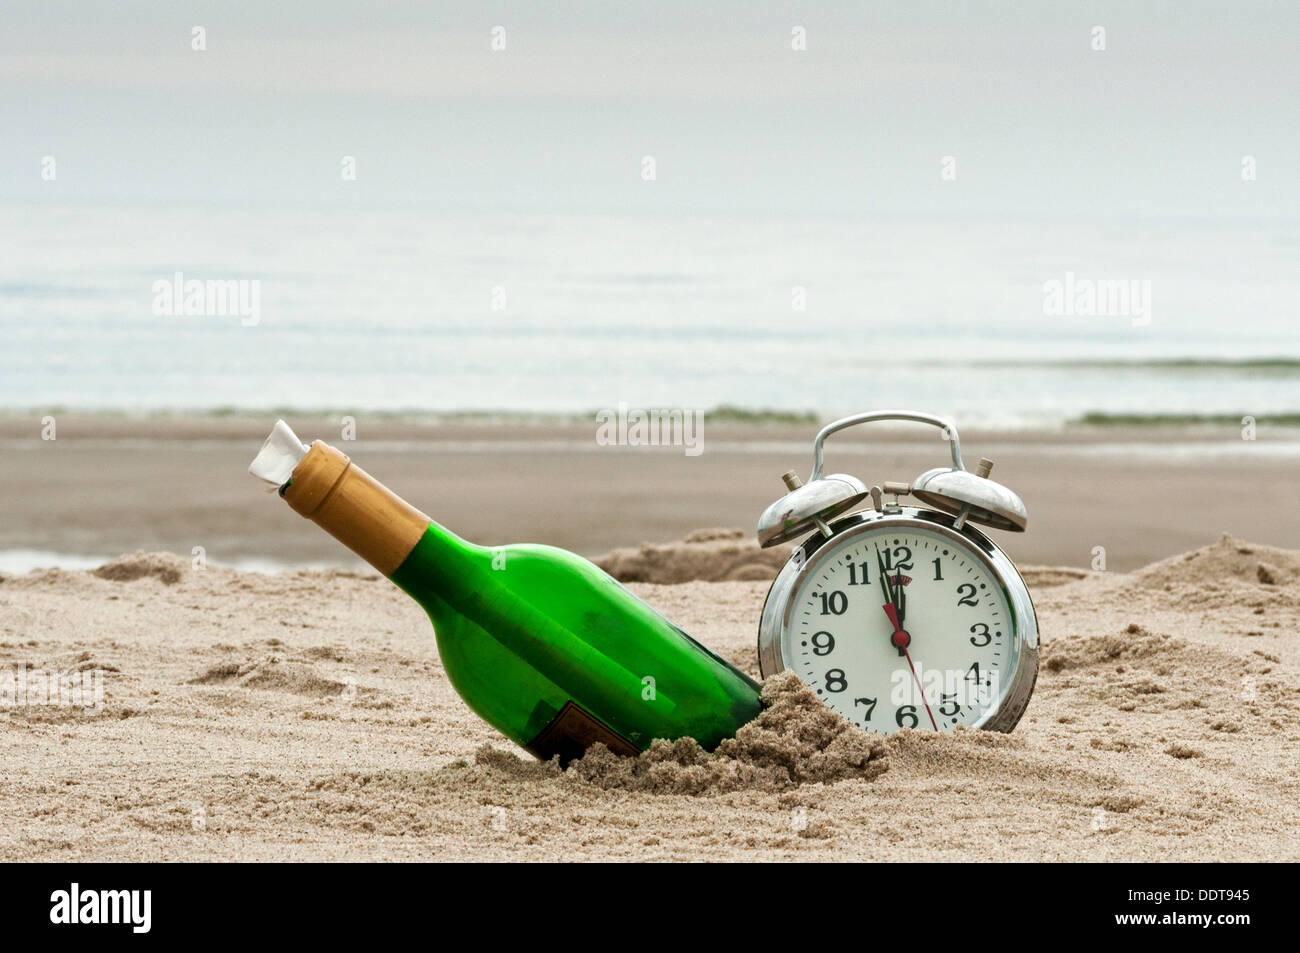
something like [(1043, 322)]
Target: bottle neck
[(354, 508)]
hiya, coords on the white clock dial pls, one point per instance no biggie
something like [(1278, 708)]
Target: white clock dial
[(902, 627)]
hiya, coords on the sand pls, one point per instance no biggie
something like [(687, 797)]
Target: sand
[(306, 716)]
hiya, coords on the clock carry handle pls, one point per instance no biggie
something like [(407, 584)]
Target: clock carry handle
[(947, 426)]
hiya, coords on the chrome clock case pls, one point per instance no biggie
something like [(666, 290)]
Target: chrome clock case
[(959, 498)]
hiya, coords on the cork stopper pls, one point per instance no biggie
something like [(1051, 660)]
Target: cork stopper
[(355, 508)]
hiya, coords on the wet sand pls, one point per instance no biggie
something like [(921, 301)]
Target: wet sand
[(108, 485)]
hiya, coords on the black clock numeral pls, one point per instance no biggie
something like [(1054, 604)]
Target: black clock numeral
[(858, 574), (835, 680), (823, 643), (834, 603), (966, 594), (900, 557), (974, 673), (869, 702), (938, 570), (906, 713), (981, 635), (949, 700)]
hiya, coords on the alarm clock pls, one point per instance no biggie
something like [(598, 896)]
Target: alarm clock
[(901, 616)]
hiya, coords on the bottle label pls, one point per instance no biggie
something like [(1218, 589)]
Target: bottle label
[(572, 732)]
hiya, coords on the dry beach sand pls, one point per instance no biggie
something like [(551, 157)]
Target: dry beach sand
[(306, 716)]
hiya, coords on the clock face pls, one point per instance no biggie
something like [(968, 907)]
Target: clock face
[(902, 627)]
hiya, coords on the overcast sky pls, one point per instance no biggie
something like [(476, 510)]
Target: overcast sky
[(1040, 123)]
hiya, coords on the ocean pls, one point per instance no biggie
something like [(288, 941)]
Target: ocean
[(412, 311)]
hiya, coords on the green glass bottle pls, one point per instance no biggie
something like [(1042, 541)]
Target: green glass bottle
[(542, 644)]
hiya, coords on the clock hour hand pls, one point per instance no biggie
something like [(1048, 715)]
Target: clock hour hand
[(899, 638)]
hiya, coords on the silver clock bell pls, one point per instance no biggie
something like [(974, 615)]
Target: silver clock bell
[(956, 490), (901, 616)]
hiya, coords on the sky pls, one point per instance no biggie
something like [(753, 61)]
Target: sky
[(1040, 124)]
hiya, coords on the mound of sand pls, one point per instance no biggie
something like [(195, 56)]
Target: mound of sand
[(163, 566), (1043, 577), (1228, 560), (795, 740), (709, 555), (271, 674)]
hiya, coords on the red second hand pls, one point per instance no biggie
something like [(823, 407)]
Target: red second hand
[(901, 640), (908, 656)]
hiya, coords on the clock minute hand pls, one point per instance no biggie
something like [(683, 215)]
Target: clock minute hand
[(885, 586), (900, 600), (894, 594)]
